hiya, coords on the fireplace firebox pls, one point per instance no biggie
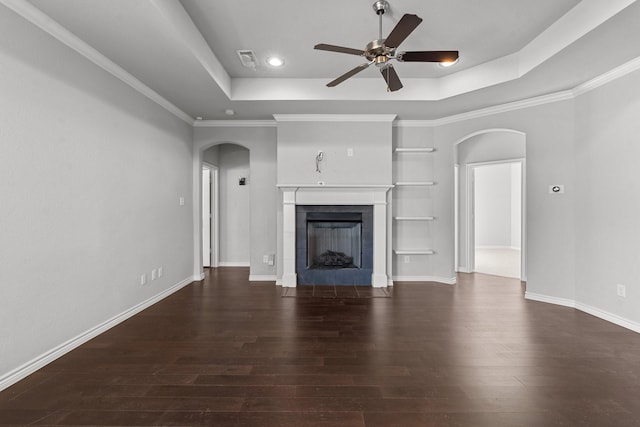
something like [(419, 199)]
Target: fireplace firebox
[(334, 244)]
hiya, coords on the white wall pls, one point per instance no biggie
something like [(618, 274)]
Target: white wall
[(607, 197), (91, 173), (493, 205)]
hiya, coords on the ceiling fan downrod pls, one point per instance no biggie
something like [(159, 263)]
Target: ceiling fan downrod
[(380, 7)]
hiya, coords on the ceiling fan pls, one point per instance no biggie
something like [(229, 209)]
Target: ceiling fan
[(381, 50)]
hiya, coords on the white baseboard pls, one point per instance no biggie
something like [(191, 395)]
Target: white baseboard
[(609, 317), (261, 278), (445, 280), (550, 300), (234, 264), (464, 270), (601, 314), (44, 359)]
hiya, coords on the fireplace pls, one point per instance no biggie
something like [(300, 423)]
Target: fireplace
[(347, 210), (334, 244)]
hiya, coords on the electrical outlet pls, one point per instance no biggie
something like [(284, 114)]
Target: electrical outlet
[(154, 274), (143, 279), (349, 152), (265, 259), (407, 259), (622, 290), (160, 272)]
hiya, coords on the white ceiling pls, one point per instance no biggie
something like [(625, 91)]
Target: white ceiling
[(186, 50)]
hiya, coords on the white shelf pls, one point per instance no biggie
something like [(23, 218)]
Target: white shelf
[(414, 252), (415, 150), (414, 218), (415, 183)]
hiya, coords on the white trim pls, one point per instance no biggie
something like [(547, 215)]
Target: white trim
[(358, 186), (262, 278), (550, 300), (234, 123), (47, 357), (66, 37), (443, 280), (585, 308), (414, 251), (463, 270), (414, 150), (415, 184), (414, 218), (608, 77), (609, 317), (234, 264), (498, 247), (334, 117)]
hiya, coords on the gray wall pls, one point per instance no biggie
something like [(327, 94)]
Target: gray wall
[(494, 144), (549, 131), (263, 194), (91, 173), (607, 197), (299, 142), (233, 163)]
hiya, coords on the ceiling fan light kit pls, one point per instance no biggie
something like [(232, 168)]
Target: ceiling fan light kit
[(382, 50)]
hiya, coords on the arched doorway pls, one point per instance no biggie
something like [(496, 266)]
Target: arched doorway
[(228, 225), (505, 150)]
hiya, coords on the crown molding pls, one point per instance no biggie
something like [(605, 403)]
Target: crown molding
[(335, 117), (234, 123), (503, 108), (48, 25), (608, 77)]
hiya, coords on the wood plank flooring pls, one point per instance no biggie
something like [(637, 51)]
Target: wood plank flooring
[(224, 352)]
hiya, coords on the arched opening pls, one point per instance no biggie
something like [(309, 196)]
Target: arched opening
[(490, 202), (227, 225)]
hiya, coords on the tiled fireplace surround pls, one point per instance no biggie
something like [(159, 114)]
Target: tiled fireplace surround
[(370, 195)]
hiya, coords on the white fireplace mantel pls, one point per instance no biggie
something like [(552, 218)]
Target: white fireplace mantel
[(335, 194)]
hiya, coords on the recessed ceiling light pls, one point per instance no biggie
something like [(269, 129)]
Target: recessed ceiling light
[(275, 61), (229, 112), (448, 63)]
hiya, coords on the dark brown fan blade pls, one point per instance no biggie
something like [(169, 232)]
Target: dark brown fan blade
[(340, 49), (348, 74), (391, 77), (428, 56), (401, 31)]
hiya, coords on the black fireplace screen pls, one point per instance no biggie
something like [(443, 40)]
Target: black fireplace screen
[(334, 244)]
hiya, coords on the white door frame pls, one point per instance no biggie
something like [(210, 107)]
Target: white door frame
[(470, 213), (215, 215)]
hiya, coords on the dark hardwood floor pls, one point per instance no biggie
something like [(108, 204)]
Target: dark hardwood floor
[(224, 352)]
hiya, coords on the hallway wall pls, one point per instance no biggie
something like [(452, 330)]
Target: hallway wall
[(91, 174)]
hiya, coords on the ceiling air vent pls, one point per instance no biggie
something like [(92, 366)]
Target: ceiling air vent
[(248, 58)]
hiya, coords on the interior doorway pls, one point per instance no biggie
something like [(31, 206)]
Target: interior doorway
[(496, 206), (210, 234)]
